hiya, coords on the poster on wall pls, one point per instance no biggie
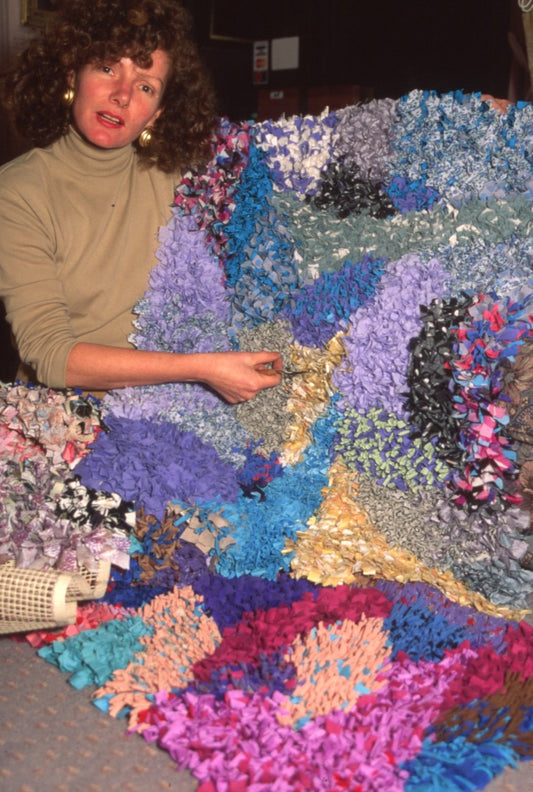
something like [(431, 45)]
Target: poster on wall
[(260, 62), (285, 53)]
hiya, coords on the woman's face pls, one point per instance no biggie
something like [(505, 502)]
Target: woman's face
[(115, 101)]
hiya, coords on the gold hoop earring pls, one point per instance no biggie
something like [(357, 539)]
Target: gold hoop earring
[(68, 97), (145, 137)]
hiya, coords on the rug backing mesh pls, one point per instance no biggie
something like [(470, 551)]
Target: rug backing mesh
[(36, 599)]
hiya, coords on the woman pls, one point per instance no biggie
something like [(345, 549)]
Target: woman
[(116, 99)]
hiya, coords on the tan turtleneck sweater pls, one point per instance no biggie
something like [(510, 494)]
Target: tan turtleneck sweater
[(78, 234)]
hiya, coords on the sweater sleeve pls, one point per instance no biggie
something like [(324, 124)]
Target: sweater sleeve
[(33, 294)]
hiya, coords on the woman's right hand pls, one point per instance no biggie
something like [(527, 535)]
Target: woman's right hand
[(235, 376), (239, 376)]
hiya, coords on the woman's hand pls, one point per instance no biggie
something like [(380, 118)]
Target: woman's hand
[(239, 376), (235, 376)]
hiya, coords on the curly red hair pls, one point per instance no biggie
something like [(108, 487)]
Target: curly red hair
[(95, 30)]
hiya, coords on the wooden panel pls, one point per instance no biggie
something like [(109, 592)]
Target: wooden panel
[(335, 97), (275, 102)]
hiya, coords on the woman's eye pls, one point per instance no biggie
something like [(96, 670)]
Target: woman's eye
[(147, 89), (107, 69)]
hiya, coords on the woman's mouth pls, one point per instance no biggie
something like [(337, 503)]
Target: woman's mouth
[(110, 119)]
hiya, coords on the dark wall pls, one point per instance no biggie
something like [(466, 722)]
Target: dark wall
[(393, 46), (8, 356)]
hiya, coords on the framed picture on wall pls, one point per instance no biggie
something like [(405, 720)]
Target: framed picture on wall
[(37, 13)]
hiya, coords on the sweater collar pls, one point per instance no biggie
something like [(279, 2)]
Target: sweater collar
[(92, 160)]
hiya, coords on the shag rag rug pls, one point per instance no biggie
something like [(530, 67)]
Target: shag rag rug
[(322, 588)]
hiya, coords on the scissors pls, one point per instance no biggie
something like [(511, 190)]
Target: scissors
[(269, 370)]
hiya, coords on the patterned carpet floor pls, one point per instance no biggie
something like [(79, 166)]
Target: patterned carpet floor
[(54, 740), (322, 588)]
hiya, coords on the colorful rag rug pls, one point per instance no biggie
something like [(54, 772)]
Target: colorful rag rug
[(325, 588)]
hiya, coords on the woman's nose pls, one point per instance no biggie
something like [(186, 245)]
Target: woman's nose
[(121, 93)]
